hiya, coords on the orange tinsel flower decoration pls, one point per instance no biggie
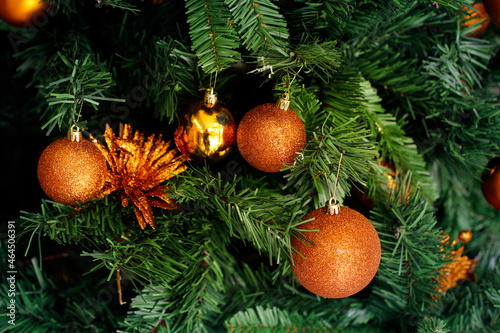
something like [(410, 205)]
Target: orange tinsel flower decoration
[(460, 268), (136, 168)]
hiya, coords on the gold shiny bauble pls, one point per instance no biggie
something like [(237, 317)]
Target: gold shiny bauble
[(270, 136), (19, 12), (71, 171), (344, 258), (491, 183), (207, 131)]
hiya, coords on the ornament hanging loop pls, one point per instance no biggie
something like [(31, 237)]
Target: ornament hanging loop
[(74, 134), (210, 98), (333, 206), (283, 102)]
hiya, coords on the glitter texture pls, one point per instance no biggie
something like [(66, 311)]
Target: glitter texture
[(137, 168), (71, 171), (344, 258), (269, 138)]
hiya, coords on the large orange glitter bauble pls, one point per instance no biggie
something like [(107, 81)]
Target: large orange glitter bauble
[(475, 15), (492, 8), (71, 171), (491, 183), (270, 137), (19, 12), (344, 258)]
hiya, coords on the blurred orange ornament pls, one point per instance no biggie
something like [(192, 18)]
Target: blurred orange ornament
[(20, 12), (475, 15), (460, 267)]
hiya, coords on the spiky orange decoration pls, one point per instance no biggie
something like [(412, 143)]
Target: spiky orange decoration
[(136, 168), (460, 268)]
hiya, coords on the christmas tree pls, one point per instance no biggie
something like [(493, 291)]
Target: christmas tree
[(250, 166)]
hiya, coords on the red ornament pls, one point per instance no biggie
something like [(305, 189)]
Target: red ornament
[(493, 9), (491, 183), (270, 135), (475, 15), (19, 12), (344, 258)]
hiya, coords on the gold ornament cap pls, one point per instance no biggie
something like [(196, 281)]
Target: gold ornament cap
[(210, 98), (74, 134), (283, 102), (332, 207)]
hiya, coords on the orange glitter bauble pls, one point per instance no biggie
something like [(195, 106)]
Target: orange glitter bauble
[(19, 12), (71, 171), (491, 183), (344, 258), (269, 137), (475, 15)]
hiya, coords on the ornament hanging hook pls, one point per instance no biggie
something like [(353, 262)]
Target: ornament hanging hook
[(333, 206), (290, 82), (210, 98), (74, 133)]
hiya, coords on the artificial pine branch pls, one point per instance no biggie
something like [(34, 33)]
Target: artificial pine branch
[(432, 325), (411, 254), (273, 319), (260, 25), (191, 301), (334, 129), (90, 223), (83, 83), (174, 73), (212, 34), (249, 211), (395, 147), (317, 59), (45, 305), (120, 4)]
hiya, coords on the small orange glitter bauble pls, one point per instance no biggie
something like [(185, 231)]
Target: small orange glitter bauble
[(71, 171), (269, 137), (492, 8), (344, 258), (491, 183), (476, 15), (19, 12)]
